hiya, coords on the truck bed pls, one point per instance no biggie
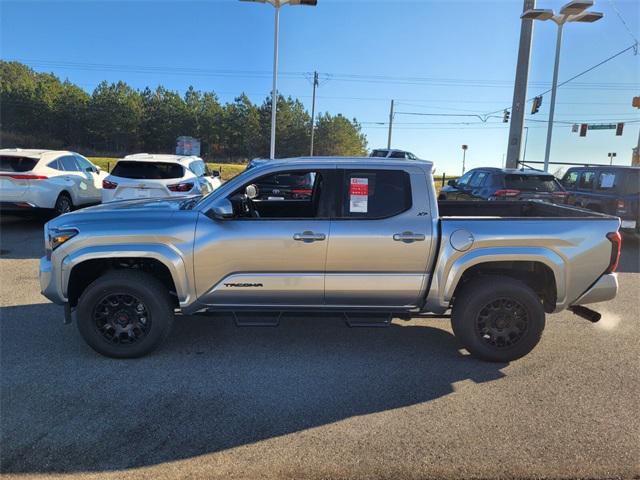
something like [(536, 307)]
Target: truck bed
[(515, 209)]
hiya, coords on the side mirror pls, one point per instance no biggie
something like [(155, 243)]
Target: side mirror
[(452, 182), (251, 191), (215, 173), (222, 209)]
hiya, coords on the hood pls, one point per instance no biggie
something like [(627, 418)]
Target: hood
[(154, 204)]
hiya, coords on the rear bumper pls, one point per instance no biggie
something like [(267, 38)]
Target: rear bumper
[(606, 288)]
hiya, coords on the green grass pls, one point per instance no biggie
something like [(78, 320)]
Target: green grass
[(103, 162)]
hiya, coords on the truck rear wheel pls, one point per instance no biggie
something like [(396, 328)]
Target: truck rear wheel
[(498, 319), (125, 314)]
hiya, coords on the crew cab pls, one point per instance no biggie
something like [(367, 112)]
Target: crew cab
[(370, 242)]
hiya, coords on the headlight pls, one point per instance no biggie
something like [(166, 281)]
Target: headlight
[(58, 237)]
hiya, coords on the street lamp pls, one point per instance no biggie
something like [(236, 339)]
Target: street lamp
[(574, 11), (274, 91), (464, 156), (611, 156)]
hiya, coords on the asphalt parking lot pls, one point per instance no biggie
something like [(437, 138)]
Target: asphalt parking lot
[(313, 398)]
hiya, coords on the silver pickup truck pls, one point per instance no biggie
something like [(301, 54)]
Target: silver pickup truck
[(364, 237)]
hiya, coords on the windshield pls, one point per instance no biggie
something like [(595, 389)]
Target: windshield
[(534, 183)]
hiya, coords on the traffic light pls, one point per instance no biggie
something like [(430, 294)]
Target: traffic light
[(537, 101), (619, 128), (505, 118), (583, 129)]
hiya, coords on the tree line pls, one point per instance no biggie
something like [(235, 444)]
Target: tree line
[(38, 109)]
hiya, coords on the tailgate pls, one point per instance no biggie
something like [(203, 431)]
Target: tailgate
[(13, 186), (141, 189)]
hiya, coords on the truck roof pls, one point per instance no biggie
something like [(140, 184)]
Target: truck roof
[(343, 160)]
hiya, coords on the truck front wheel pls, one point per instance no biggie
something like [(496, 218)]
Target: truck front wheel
[(125, 314), (498, 319)]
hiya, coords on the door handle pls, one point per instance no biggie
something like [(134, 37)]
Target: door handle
[(408, 237), (308, 236)]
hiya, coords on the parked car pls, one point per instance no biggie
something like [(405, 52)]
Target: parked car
[(282, 187), (371, 241), (47, 180), (614, 190), (391, 153), (144, 175), (504, 184)]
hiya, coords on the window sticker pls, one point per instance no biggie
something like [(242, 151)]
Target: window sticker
[(358, 195)]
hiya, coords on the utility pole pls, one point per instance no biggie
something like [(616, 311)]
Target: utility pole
[(520, 89), (313, 110), (390, 125)]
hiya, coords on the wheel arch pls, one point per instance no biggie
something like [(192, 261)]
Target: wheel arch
[(539, 268), (80, 268)]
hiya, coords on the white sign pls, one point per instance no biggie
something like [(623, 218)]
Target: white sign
[(359, 195)]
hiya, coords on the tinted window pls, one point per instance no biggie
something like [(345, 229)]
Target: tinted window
[(535, 183), (478, 179), (17, 164), (632, 182), (375, 193), (286, 186), (55, 165), (397, 155), (147, 170), (464, 179), (85, 164), (379, 153), (586, 180), (571, 179), (68, 164)]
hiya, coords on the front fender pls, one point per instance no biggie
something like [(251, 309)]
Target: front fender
[(165, 254)]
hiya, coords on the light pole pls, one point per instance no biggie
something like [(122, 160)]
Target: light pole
[(464, 157), (526, 139), (611, 156), (574, 11), (274, 90)]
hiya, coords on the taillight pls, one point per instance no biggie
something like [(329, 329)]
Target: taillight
[(507, 193), (21, 176), (180, 187), (301, 193), (107, 185), (616, 244)]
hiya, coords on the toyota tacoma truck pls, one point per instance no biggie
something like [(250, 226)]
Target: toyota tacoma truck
[(370, 241)]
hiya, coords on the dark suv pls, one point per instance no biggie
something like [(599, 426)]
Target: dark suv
[(504, 184), (612, 190)]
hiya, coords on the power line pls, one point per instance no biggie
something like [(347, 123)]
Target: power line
[(615, 8)]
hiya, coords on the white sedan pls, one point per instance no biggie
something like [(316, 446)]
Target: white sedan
[(54, 180), (146, 175)]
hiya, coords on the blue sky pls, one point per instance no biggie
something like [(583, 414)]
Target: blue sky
[(464, 53)]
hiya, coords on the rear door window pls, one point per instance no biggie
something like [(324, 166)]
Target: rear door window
[(379, 153), (375, 194), (607, 181), (586, 180), (69, 163), (17, 164), (570, 180), (533, 183), (147, 170), (478, 179), (397, 155)]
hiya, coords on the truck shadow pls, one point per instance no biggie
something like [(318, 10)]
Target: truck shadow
[(211, 387)]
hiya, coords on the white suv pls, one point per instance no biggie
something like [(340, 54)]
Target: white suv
[(144, 175), (391, 153), (47, 179)]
